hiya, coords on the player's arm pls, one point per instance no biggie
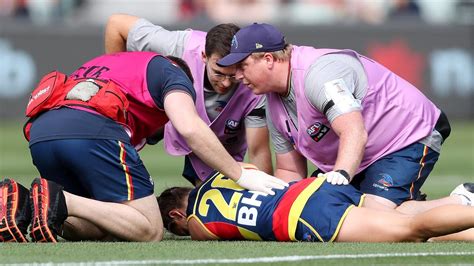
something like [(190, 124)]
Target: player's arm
[(290, 166), (116, 32)]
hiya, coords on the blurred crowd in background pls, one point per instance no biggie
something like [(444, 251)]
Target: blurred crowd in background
[(427, 42), (291, 12)]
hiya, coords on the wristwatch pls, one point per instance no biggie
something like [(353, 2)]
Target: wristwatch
[(345, 174)]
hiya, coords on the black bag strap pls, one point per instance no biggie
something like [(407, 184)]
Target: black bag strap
[(443, 126)]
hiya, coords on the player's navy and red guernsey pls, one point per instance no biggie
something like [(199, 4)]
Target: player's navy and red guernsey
[(308, 210)]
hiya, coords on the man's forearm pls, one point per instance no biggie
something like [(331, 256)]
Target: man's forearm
[(263, 161), (208, 148), (114, 43), (203, 142), (351, 151), (290, 166), (352, 140), (287, 175), (259, 148), (116, 32)]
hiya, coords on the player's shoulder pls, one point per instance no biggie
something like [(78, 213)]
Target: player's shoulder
[(198, 231)]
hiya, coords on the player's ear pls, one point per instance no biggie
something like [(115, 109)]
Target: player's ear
[(176, 214), (203, 57)]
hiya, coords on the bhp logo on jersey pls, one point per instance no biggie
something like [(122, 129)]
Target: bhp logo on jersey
[(317, 131), (231, 126)]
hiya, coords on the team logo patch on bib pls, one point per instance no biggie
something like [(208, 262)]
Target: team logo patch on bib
[(317, 131), (231, 126)]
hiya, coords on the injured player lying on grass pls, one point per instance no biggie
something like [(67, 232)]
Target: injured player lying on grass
[(307, 210)]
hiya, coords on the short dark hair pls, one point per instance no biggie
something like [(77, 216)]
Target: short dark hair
[(171, 198), (183, 65), (219, 39)]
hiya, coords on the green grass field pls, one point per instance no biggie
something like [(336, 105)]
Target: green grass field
[(456, 165)]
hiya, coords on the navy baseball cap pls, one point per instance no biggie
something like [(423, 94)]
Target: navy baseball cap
[(251, 39)]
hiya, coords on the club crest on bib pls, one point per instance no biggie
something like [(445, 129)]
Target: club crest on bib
[(231, 126), (317, 131)]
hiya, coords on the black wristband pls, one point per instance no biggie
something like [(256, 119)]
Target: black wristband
[(345, 174)]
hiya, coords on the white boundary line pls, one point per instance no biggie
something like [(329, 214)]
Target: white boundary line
[(248, 260)]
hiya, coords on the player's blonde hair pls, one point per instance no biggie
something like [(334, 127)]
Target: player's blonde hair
[(281, 55)]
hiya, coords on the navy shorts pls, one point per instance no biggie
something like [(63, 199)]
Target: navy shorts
[(399, 175), (325, 211), (105, 170)]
